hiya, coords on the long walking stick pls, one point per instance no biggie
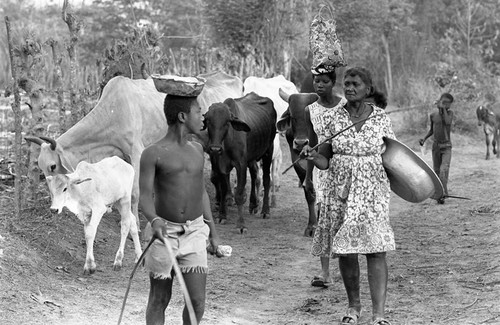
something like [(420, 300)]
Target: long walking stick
[(347, 128), (192, 315), (329, 138), (139, 261)]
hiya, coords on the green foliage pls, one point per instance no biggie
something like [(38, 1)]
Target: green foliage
[(237, 23), (137, 52)]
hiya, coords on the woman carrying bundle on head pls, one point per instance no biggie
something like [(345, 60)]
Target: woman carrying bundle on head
[(354, 212)]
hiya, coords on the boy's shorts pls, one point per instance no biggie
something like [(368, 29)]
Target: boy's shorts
[(189, 245)]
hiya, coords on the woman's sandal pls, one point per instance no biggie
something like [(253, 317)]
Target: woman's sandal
[(381, 321), (351, 317)]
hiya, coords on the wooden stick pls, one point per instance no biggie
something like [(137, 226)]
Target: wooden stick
[(189, 304), (347, 128), (132, 275), (329, 138)]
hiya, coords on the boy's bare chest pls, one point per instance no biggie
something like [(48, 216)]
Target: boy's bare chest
[(173, 162)]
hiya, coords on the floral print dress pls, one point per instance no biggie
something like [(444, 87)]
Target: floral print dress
[(356, 190), (317, 115)]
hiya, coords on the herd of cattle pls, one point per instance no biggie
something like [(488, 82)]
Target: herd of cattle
[(242, 126)]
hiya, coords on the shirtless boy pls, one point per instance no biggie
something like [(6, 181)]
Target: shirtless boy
[(440, 127), (174, 200)]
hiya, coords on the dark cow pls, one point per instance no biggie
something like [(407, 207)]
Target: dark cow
[(491, 127), (294, 123), (241, 132)]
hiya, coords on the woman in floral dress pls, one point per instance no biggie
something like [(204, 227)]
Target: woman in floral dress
[(356, 193), (323, 82)]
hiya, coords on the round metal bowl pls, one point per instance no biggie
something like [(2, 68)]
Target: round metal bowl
[(179, 86), (410, 177)]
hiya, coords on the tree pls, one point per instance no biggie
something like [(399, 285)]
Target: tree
[(476, 23), (16, 108), (262, 32)]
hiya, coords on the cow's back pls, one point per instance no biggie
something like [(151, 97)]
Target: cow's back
[(269, 87), (112, 178), (129, 112), (259, 114), (219, 86)]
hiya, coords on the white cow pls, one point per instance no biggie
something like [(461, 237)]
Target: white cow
[(269, 87), (128, 117), (89, 192)]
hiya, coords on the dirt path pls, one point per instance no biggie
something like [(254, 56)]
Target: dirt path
[(446, 269)]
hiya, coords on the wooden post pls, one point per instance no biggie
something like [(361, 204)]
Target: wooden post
[(74, 26), (16, 108), (56, 58)]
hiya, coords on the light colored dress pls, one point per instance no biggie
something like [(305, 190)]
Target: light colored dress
[(356, 190), (319, 122)]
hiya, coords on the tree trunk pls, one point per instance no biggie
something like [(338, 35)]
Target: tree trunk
[(56, 58), (16, 108), (74, 26), (36, 128), (388, 64)]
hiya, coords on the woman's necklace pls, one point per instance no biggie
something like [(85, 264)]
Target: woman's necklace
[(359, 115)]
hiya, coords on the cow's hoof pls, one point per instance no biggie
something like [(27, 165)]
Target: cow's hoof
[(243, 230), (309, 232), (229, 202), (88, 271), (266, 215), (117, 267)]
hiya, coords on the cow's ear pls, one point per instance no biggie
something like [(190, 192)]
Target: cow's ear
[(239, 125), (283, 123), (79, 181)]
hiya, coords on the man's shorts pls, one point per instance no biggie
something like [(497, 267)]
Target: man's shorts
[(189, 245)]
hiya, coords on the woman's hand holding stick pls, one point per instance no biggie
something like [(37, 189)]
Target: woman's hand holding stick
[(328, 139)]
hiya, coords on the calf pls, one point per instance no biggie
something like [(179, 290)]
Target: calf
[(241, 132), (491, 127), (89, 192)]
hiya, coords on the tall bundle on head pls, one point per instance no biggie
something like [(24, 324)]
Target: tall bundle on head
[(324, 43)]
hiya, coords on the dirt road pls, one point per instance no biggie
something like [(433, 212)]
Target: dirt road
[(446, 269)]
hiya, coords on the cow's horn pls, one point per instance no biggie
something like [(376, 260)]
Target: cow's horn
[(36, 140), (53, 143), (284, 95)]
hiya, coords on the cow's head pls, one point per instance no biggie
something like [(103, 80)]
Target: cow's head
[(294, 119), (65, 191), (218, 121), (49, 160)]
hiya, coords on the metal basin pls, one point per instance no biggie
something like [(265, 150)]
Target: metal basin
[(410, 177)]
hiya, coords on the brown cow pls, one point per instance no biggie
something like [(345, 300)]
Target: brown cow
[(294, 123), (491, 126), (241, 132)]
